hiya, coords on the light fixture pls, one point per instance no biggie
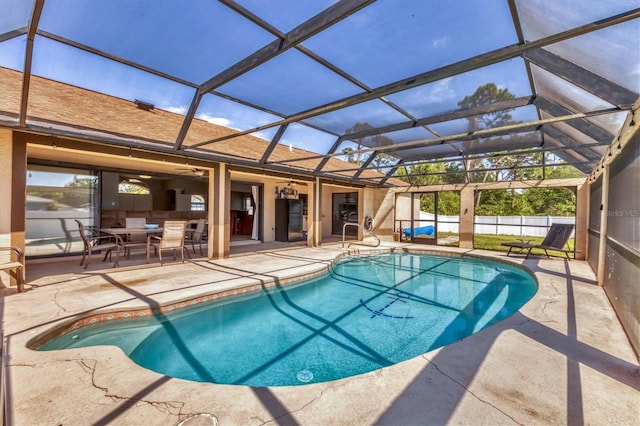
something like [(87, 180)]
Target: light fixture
[(619, 147), (144, 176)]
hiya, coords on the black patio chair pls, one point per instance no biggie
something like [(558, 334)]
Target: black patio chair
[(556, 239)]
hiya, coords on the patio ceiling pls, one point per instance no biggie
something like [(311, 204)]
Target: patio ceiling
[(349, 90)]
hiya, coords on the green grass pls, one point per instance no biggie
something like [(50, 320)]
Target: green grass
[(494, 242)]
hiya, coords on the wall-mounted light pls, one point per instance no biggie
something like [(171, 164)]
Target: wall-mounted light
[(619, 147)]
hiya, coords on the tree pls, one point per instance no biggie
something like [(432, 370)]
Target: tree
[(498, 166), (427, 174), (380, 161)]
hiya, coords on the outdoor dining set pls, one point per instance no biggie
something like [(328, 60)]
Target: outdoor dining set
[(137, 234)]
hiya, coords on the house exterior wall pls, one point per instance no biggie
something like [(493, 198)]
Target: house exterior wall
[(13, 172)]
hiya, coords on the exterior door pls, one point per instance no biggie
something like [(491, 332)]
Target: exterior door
[(345, 210)]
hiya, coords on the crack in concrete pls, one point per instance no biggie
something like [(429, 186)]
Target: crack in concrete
[(173, 408), (553, 300), (471, 392), (55, 300), (288, 413)]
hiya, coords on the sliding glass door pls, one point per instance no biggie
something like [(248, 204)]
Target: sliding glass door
[(56, 197)]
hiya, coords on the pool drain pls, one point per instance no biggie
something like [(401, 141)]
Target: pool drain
[(305, 376)]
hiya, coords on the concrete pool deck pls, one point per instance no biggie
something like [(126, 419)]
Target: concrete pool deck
[(562, 359)]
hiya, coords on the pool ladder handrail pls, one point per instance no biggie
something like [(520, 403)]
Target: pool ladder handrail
[(365, 230)]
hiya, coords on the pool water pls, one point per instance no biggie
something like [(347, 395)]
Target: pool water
[(367, 313)]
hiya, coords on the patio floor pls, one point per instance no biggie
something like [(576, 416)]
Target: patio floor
[(562, 359)]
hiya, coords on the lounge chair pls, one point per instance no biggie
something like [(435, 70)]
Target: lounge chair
[(555, 239)]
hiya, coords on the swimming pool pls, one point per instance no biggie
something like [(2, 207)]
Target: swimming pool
[(367, 313)]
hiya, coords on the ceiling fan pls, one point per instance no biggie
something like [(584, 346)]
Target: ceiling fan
[(292, 182), (192, 171)]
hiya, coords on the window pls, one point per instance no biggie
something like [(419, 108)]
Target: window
[(133, 186), (197, 203)]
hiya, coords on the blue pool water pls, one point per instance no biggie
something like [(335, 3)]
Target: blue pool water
[(367, 313)]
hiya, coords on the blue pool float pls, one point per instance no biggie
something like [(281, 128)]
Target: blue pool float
[(423, 230)]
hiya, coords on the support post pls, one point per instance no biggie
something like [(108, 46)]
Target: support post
[(219, 196), (466, 217), (604, 208), (316, 218), (13, 184), (582, 221)]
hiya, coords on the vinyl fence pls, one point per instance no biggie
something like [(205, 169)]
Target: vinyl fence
[(534, 226)]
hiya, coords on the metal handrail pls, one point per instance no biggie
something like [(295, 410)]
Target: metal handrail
[(344, 227)]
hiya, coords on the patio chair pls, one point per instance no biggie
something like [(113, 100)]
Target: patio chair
[(134, 240), (96, 242), (17, 264), (556, 239), (173, 235), (196, 235)]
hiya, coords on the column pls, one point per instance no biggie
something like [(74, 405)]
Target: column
[(467, 204), (220, 211), (13, 181)]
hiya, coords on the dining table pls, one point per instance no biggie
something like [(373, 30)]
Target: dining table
[(121, 233)]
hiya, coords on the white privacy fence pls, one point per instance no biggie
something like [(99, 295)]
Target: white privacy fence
[(534, 226)]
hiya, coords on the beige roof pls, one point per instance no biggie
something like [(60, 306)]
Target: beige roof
[(52, 104)]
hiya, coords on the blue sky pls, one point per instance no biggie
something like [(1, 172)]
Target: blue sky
[(197, 40)]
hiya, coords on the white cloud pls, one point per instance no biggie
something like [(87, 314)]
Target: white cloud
[(442, 90), (220, 121), (440, 42), (177, 110), (434, 93)]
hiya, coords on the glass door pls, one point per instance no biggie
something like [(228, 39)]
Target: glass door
[(56, 198)]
